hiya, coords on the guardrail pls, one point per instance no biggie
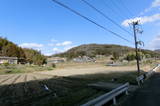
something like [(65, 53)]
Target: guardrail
[(149, 74), (103, 99), (141, 78), (155, 69)]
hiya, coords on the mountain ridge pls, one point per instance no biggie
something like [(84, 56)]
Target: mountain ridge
[(92, 50)]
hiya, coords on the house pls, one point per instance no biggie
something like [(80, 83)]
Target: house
[(55, 60), (10, 60)]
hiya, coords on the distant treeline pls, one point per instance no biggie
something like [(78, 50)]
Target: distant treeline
[(31, 56), (92, 50)]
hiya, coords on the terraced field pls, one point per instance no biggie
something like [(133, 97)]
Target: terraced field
[(39, 90), (22, 89)]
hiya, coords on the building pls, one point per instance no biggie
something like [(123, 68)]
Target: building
[(55, 60), (10, 60)]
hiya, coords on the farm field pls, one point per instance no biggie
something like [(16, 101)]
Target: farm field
[(62, 86), (92, 68), (80, 53), (13, 68)]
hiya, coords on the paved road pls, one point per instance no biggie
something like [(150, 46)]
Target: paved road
[(147, 95)]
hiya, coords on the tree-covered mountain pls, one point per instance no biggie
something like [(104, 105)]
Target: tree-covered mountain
[(92, 50), (8, 48)]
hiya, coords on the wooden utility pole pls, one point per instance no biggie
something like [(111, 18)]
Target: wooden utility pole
[(136, 45)]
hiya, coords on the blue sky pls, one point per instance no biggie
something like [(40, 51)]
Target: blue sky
[(46, 26)]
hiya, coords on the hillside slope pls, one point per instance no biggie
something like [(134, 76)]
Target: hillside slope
[(8, 48), (92, 50)]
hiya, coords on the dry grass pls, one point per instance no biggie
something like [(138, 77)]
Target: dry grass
[(70, 69), (11, 69)]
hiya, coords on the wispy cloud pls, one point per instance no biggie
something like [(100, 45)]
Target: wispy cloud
[(54, 40), (32, 45), (51, 44), (143, 20), (154, 44), (57, 50), (49, 49), (65, 43), (154, 4), (62, 49)]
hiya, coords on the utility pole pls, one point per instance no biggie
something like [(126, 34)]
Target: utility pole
[(136, 45)]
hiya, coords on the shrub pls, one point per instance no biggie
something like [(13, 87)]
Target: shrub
[(49, 68), (53, 65), (8, 71), (6, 64), (115, 56)]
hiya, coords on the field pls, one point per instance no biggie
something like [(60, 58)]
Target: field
[(70, 69), (13, 69), (65, 85)]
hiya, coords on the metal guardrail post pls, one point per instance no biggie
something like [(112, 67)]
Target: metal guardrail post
[(114, 101), (127, 92)]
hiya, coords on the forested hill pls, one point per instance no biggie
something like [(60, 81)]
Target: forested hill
[(92, 50), (8, 48)]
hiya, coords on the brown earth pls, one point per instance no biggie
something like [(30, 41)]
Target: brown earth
[(31, 88)]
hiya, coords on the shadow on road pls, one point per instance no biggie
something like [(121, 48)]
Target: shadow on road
[(147, 95)]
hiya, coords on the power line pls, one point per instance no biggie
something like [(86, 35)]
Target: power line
[(88, 19), (118, 7), (104, 15), (113, 10), (122, 15), (126, 8)]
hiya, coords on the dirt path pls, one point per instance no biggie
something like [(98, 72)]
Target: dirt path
[(148, 95)]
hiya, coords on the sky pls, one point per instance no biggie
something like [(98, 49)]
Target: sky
[(46, 26)]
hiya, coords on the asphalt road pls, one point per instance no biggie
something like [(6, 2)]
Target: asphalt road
[(147, 95)]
